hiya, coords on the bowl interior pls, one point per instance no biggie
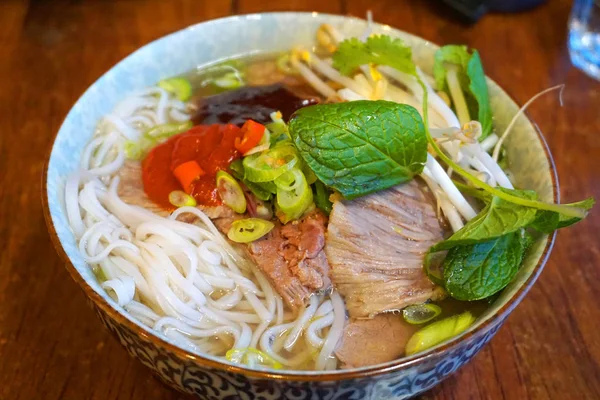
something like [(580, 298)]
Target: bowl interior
[(242, 35)]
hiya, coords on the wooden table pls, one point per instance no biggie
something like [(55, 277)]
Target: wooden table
[(51, 344)]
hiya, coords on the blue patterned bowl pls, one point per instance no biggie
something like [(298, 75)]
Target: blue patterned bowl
[(213, 378)]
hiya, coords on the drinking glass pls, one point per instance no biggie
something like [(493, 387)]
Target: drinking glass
[(584, 36)]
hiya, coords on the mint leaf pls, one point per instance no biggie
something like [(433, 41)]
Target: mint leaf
[(549, 221), (361, 147), (545, 221), (498, 218), (321, 196), (378, 50), (472, 81), (477, 271)]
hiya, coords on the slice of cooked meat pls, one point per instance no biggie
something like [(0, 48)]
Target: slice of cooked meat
[(373, 341), (131, 191), (292, 257), (375, 246)]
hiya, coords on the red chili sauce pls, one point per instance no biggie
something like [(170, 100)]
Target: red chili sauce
[(211, 146)]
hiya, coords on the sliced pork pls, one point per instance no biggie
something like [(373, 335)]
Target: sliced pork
[(373, 341), (292, 257), (375, 246)]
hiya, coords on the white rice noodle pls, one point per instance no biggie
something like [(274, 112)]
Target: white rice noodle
[(123, 289), (183, 280), (335, 333), (301, 322)]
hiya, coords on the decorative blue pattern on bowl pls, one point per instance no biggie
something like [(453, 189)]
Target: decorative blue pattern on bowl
[(212, 378)]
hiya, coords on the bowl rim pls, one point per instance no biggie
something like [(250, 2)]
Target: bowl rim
[(338, 375)]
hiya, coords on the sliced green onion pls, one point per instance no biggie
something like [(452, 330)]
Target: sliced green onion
[(181, 199), (231, 192), (237, 169), (249, 229), (252, 357), (439, 332), (180, 87), (290, 180), (283, 65), (421, 313), (167, 130), (100, 275), (258, 190), (293, 202), (278, 128), (268, 186), (230, 80), (138, 150), (267, 166)]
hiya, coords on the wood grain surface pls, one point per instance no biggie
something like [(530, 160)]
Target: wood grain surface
[(52, 346)]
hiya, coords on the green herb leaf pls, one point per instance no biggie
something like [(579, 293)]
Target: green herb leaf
[(474, 272), (549, 221), (361, 147), (545, 221), (472, 81), (321, 197), (378, 49), (498, 218)]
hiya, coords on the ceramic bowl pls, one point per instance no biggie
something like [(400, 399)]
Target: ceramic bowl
[(213, 378)]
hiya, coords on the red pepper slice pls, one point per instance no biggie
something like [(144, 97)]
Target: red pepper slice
[(253, 133), (187, 173)]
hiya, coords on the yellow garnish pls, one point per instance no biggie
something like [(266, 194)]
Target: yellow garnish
[(375, 74), (305, 55), (379, 90), (325, 38), (276, 116), (472, 129)]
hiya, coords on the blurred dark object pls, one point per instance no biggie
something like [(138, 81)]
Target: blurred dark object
[(472, 10), (513, 5)]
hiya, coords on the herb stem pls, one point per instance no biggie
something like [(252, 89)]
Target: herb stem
[(458, 98), (565, 209)]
